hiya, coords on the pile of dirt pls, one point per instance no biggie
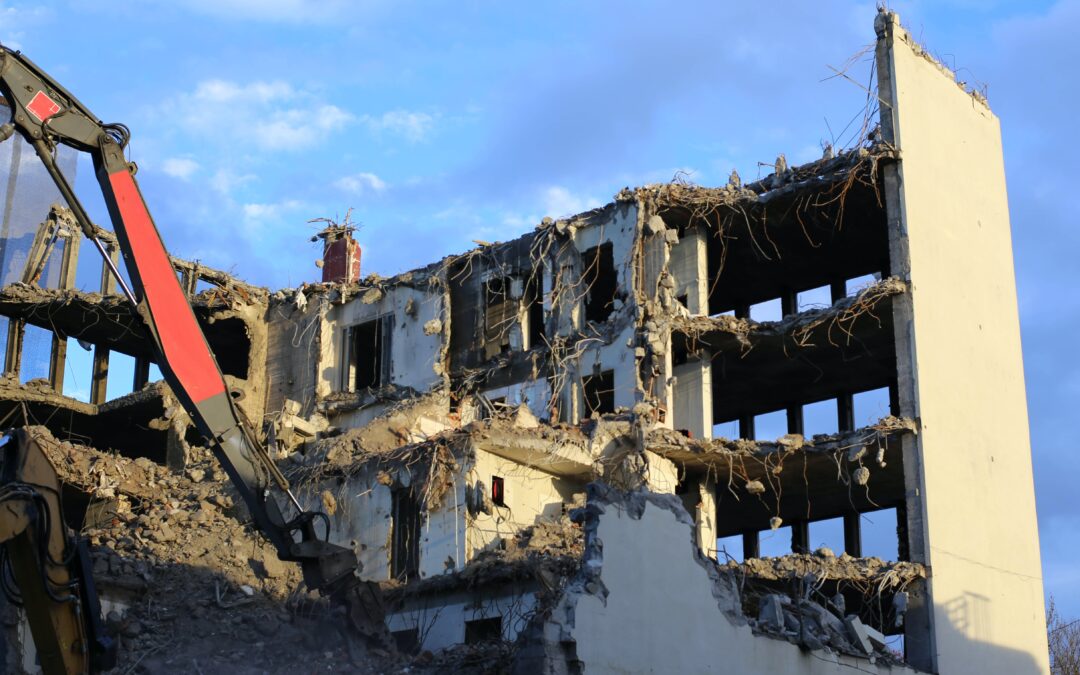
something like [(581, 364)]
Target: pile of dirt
[(187, 587)]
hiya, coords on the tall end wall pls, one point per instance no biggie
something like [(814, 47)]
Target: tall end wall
[(961, 372)]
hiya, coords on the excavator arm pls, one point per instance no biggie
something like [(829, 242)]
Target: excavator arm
[(46, 115), (50, 565)]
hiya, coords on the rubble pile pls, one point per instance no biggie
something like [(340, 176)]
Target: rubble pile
[(824, 564), (805, 598), (549, 552), (188, 587)]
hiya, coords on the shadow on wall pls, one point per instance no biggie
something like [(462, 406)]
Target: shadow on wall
[(967, 628)]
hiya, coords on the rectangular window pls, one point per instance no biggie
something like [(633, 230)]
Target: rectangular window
[(369, 354), (500, 314), (599, 393), (498, 491), (405, 521), (599, 279), (407, 641), (534, 298), (483, 630)]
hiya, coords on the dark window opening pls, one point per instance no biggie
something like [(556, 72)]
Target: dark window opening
[(369, 353), (498, 491), (598, 276), (228, 339), (407, 641), (483, 630), (500, 314), (405, 552), (599, 393), (534, 297)]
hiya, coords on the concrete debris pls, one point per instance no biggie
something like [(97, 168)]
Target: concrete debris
[(888, 574), (861, 476), (814, 327), (771, 612), (180, 569), (433, 327), (548, 552), (755, 487)]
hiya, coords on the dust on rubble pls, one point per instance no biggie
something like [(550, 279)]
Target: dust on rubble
[(188, 587)]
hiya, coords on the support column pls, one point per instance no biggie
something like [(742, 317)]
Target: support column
[(751, 545), (706, 517)]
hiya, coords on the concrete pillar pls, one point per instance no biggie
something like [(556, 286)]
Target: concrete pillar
[(690, 266), (705, 518), (692, 398)]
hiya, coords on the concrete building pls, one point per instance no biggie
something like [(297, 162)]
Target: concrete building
[(575, 442)]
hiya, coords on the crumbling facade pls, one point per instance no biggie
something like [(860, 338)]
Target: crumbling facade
[(564, 453)]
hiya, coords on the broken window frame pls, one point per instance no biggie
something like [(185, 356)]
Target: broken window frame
[(352, 352), (598, 393)]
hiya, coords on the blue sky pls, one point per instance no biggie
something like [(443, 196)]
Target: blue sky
[(444, 122)]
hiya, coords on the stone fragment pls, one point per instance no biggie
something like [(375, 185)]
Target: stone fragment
[(861, 475), (771, 613)]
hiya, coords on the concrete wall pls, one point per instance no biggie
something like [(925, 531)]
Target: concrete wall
[(441, 619), (295, 349), (531, 496), (664, 609), (414, 355), (973, 514), (362, 521)]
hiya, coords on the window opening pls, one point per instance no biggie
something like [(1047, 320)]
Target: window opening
[(405, 520), (599, 393), (369, 354), (483, 630), (598, 277)]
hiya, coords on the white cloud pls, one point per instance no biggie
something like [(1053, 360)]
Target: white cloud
[(559, 201), (269, 116), (361, 183), (15, 20), (180, 167), (413, 126), (225, 181), (272, 211)]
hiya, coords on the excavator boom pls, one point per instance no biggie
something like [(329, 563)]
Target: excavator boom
[(46, 115)]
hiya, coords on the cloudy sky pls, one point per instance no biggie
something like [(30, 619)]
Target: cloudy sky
[(443, 122)]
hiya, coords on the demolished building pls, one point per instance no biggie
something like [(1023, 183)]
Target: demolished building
[(563, 453)]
